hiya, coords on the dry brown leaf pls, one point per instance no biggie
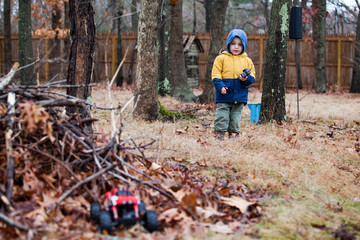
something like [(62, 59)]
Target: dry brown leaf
[(237, 202), (155, 167), (207, 212), (219, 228)]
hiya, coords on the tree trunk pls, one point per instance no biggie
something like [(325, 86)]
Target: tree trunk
[(319, 31), (355, 83), (266, 14), (120, 76), (55, 46), (67, 42), (164, 52), (209, 6), (178, 79), (194, 16), (147, 62), (25, 43), (273, 96), (134, 16), (82, 51), (7, 35), (297, 59), (217, 37)]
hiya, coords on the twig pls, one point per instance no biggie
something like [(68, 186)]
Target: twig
[(86, 180), (12, 223), (329, 126), (8, 146)]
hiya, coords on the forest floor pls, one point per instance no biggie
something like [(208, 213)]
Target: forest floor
[(308, 170)]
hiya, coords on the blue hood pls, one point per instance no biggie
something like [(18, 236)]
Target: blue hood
[(236, 33)]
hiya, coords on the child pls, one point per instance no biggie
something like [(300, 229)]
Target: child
[(231, 89)]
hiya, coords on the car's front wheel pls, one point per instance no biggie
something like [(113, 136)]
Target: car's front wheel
[(95, 211), (105, 221), (151, 221)]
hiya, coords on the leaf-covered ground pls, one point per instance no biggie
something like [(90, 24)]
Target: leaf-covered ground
[(298, 180)]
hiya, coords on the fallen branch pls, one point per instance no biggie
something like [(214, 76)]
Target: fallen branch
[(8, 146), (329, 126), (12, 223), (7, 79)]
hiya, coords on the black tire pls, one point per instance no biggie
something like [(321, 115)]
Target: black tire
[(105, 221), (142, 207), (151, 221), (95, 211)]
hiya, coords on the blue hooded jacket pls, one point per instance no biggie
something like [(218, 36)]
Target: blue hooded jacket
[(228, 67)]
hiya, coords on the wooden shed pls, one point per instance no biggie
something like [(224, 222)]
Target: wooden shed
[(192, 48)]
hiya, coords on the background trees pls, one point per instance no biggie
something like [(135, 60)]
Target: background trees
[(319, 31), (147, 62), (7, 35), (355, 83), (273, 96), (178, 79), (216, 34), (81, 58), (25, 43)]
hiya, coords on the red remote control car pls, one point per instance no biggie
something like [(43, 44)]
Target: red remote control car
[(123, 208)]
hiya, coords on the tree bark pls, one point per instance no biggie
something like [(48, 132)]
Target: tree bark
[(178, 79), (164, 52), (355, 82), (194, 17), (81, 59), (134, 16), (67, 42), (7, 35), (319, 31), (25, 43), (216, 36), (209, 6), (147, 62), (297, 58), (273, 96), (120, 76), (55, 46)]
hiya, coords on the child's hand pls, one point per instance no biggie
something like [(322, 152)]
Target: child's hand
[(223, 90), (243, 79)]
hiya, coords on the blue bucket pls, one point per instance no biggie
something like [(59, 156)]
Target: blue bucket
[(254, 112)]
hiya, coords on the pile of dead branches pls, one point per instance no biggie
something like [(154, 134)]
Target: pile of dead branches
[(52, 168)]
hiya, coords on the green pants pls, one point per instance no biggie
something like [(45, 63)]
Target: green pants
[(227, 117)]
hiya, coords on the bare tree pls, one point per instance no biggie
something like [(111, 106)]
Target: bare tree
[(7, 35), (319, 31), (273, 96), (216, 36), (178, 79), (81, 59), (209, 6), (54, 69), (25, 43), (164, 48), (355, 83), (147, 62), (120, 9)]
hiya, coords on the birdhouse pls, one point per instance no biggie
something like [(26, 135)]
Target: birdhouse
[(192, 48)]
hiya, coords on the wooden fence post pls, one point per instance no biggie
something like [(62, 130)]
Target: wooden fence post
[(339, 63)]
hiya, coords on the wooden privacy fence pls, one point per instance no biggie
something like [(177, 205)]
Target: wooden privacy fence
[(340, 52)]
